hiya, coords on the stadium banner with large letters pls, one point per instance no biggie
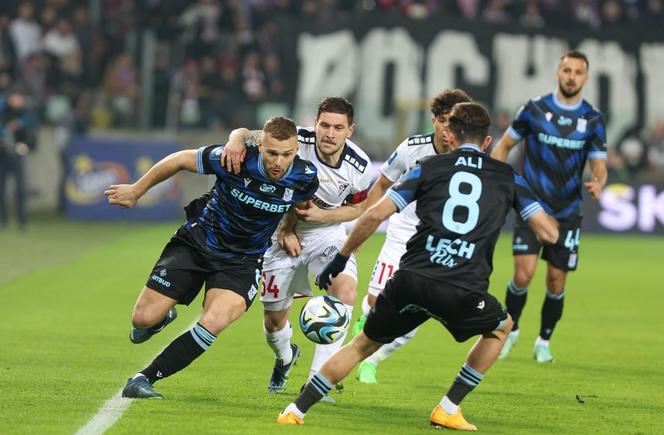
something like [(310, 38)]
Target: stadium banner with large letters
[(97, 163), (626, 207), (382, 63)]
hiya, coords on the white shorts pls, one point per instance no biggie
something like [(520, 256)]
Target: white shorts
[(285, 277), (386, 264)]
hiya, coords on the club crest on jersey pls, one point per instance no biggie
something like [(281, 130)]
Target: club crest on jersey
[(288, 194), (342, 187), (581, 125), (564, 121), (267, 188)]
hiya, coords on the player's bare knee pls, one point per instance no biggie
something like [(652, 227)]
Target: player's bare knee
[(274, 321), (345, 293), (143, 318), (522, 277)]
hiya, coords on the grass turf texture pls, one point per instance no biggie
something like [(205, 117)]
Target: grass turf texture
[(68, 289)]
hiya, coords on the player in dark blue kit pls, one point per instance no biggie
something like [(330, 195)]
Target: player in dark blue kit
[(562, 131), (462, 200), (221, 244)]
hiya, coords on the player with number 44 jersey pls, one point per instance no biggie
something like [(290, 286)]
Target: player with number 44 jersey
[(462, 200), (562, 131)]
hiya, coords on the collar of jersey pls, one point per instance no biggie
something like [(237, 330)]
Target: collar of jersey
[(564, 106), (261, 169), (470, 146), (341, 157)]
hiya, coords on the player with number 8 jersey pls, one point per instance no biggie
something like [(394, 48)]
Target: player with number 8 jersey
[(462, 200)]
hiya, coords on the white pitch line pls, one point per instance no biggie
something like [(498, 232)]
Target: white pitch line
[(107, 416), (112, 410)]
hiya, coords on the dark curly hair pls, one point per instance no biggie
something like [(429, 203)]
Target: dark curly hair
[(443, 102)]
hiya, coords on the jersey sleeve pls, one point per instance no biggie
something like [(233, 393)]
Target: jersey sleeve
[(597, 141), (404, 192), (397, 164), (312, 186), (525, 201), (520, 124), (208, 160), (361, 188)]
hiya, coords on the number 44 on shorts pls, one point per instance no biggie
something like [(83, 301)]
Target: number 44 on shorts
[(572, 243)]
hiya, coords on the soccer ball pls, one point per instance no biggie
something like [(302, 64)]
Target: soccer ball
[(324, 319)]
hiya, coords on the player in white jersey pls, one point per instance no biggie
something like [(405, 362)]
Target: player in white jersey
[(310, 238), (401, 226)]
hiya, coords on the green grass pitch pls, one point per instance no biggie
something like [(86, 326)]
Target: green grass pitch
[(68, 289)]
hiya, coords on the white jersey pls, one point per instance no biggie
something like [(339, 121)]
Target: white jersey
[(348, 182), (401, 226)]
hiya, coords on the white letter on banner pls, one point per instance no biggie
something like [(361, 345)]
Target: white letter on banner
[(609, 60), (448, 51), (380, 48), (328, 66), (618, 213), (652, 65), (517, 55), (651, 208)]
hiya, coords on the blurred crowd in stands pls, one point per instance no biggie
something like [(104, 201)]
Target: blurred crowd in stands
[(217, 61)]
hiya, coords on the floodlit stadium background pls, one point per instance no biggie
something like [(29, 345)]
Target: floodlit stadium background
[(117, 84)]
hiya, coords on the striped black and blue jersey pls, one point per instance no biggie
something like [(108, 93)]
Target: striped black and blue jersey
[(243, 210), (462, 200), (559, 140)]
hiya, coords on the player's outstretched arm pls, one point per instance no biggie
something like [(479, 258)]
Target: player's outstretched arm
[(599, 177), (378, 190), (287, 237), (312, 213), (235, 150), (503, 147), (544, 226), (126, 195)]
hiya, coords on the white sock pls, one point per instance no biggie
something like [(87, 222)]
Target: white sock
[(294, 409), (279, 342), (449, 407), (541, 342), (515, 333), (386, 350), (323, 352), (365, 306)]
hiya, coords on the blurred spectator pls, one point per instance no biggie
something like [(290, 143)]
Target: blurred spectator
[(61, 43), (253, 79), (74, 121), (84, 35), (120, 86), (26, 31), (613, 15), (273, 79), (634, 153), (653, 12), (587, 12), (7, 48), (16, 141), (469, 8), (496, 12), (200, 25), (656, 147), (531, 17), (48, 18)]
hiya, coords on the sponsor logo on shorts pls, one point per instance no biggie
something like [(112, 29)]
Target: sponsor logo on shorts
[(480, 306), (518, 246), (252, 293), (160, 280)]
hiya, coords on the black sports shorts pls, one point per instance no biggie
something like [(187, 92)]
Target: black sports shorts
[(563, 255), (410, 299), (182, 269)]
